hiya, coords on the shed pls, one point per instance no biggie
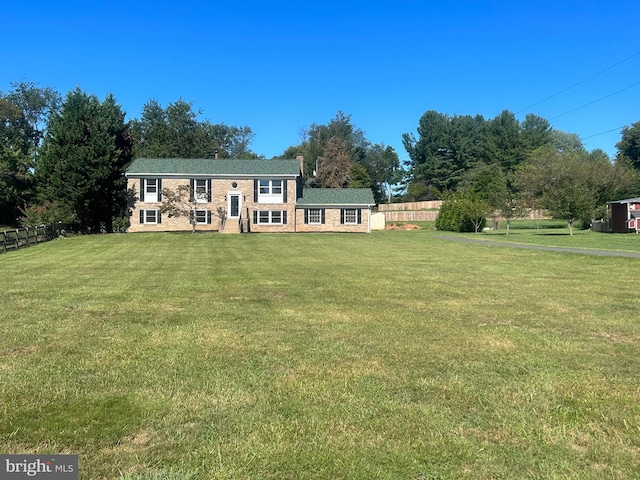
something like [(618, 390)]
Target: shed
[(625, 215)]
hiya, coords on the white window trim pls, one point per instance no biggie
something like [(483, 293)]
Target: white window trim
[(270, 197), (269, 217), (309, 216), (144, 216), (206, 214), (201, 197), (348, 211), (150, 197)]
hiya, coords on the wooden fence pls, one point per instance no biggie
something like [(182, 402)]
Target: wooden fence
[(27, 236), (410, 211), (394, 207)]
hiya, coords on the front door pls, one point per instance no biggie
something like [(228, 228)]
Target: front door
[(234, 204)]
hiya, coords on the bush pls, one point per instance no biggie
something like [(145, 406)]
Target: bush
[(460, 214)]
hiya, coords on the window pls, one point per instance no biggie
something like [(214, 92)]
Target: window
[(202, 190), (150, 189), (270, 217), (203, 217), (314, 216), (350, 216), (270, 191), (150, 217), (270, 187)]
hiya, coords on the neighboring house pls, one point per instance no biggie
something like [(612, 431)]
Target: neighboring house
[(625, 215), (256, 196)]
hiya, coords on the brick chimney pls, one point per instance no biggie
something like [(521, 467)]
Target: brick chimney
[(300, 158)]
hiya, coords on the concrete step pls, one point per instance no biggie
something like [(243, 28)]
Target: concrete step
[(231, 227)]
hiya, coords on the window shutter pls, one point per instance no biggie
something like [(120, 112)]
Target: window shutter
[(159, 216), (209, 190), (209, 217), (359, 216), (255, 217), (255, 191), (284, 191), (142, 190), (284, 217), (159, 190), (141, 216), (342, 216), (192, 190), (322, 216), (306, 215)]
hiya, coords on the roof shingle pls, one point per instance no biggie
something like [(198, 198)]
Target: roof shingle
[(208, 166), (337, 196)]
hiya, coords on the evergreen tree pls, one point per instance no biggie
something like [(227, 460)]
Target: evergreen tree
[(81, 164)]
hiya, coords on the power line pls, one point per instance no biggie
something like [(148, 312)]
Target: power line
[(602, 133), (579, 83), (595, 101)]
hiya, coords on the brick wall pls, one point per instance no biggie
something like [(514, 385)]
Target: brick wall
[(332, 222), (220, 188)]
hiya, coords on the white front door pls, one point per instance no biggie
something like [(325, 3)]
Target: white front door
[(234, 204)]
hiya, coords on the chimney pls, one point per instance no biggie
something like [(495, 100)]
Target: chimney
[(300, 158), (215, 155)]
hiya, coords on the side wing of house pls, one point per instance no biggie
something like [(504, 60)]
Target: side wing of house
[(335, 210)]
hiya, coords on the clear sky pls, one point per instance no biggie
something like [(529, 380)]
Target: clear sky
[(279, 66)]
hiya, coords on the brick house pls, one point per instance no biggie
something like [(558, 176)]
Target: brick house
[(256, 196)]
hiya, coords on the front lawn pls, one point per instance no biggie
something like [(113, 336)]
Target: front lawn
[(391, 355)]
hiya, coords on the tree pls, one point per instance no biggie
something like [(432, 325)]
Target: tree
[(629, 145), (536, 132), (24, 112), (448, 147), (503, 141), (83, 158), (316, 139), (566, 142), (181, 202), (512, 205), (176, 132), (15, 160), (37, 105), (358, 177), (334, 166), (564, 181), (462, 213), (383, 166), (476, 211)]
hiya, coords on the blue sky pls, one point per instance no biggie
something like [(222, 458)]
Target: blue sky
[(279, 66)]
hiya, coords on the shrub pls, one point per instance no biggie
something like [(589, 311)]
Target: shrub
[(461, 214)]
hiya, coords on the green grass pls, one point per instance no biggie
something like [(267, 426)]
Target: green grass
[(391, 355), (556, 233)]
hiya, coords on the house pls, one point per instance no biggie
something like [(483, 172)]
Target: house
[(625, 215), (255, 196)]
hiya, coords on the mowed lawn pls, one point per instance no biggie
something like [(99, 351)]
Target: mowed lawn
[(395, 355)]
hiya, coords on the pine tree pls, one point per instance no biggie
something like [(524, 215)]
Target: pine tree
[(82, 160)]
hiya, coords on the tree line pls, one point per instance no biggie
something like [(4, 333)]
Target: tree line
[(506, 167), (63, 159)]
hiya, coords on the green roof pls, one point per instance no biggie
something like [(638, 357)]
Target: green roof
[(209, 166), (337, 196)]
